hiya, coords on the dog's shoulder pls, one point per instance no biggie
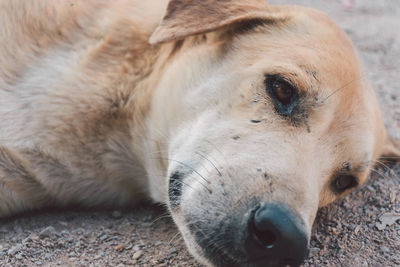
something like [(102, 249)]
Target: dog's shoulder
[(75, 48), (73, 69)]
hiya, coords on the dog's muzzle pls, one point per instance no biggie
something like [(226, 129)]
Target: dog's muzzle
[(267, 234)]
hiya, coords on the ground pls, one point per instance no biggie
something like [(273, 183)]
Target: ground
[(360, 230)]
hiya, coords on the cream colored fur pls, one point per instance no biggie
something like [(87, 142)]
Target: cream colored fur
[(92, 114)]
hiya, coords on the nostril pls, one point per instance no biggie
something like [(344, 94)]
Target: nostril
[(267, 238), (264, 231), (275, 235)]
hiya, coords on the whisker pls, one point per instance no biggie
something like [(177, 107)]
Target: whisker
[(342, 87), (380, 174), (186, 165), (388, 168), (177, 161), (216, 148), (165, 215), (204, 157), (173, 238)]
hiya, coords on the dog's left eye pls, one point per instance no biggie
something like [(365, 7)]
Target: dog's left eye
[(283, 94), (283, 91), (344, 182)]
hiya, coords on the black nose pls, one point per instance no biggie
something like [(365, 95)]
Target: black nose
[(276, 237)]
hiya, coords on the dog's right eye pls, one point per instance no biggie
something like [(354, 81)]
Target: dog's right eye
[(283, 94), (343, 183)]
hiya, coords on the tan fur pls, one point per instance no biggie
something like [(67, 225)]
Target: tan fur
[(80, 82), (179, 23), (92, 114)]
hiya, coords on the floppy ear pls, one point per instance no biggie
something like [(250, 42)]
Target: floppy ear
[(390, 150), (189, 17)]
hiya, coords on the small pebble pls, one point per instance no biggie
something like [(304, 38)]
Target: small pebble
[(14, 250), (119, 247), (137, 255), (172, 251)]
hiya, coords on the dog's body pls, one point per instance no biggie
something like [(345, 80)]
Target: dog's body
[(94, 115), (75, 88)]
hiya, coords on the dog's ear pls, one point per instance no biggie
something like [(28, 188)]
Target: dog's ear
[(391, 150), (187, 17)]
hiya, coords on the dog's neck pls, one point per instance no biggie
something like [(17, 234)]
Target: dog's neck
[(168, 87)]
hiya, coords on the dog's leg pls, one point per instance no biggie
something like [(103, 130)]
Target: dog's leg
[(19, 190)]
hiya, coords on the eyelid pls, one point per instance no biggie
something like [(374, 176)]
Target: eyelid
[(281, 77), (289, 77), (277, 77)]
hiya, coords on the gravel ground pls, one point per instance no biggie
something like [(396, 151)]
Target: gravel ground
[(360, 230)]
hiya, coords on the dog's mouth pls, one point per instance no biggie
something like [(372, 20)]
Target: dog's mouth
[(223, 258), (269, 235)]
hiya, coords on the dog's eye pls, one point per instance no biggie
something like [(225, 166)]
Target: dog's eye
[(283, 91), (344, 182)]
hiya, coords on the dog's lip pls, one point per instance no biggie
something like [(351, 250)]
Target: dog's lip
[(260, 262), (271, 262), (228, 259)]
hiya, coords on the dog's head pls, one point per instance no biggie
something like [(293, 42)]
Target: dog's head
[(266, 116)]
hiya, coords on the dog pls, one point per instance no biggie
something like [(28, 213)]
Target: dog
[(242, 117)]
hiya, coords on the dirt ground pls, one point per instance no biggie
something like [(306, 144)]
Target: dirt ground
[(360, 230)]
